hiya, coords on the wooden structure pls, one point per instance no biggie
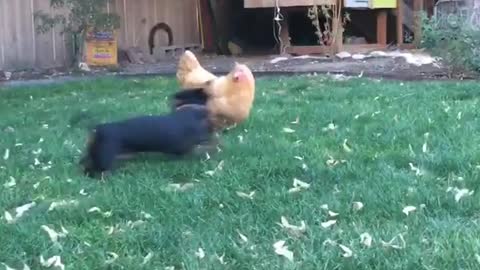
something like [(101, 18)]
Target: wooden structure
[(22, 48), (381, 8)]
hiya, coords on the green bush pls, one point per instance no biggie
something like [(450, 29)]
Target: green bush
[(454, 40)]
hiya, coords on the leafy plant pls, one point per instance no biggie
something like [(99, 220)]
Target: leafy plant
[(453, 38), (81, 15), (331, 29)]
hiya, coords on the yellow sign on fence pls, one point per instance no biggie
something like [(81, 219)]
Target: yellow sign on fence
[(383, 4), (101, 48)]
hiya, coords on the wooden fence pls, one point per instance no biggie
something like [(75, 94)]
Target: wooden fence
[(22, 48)]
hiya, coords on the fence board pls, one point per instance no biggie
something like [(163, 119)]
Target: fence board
[(46, 55), (21, 47), (9, 37), (2, 35)]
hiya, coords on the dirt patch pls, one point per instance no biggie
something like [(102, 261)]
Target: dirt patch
[(379, 67), (384, 67)]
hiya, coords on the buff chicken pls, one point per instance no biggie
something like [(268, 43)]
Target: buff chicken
[(229, 98), (190, 73)]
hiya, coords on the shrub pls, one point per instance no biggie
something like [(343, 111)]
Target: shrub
[(453, 39)]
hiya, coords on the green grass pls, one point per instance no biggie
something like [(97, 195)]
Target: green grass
[(383, 121)]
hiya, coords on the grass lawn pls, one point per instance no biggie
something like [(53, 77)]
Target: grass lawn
[(408, 145)]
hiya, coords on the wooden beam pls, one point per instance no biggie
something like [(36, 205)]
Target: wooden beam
[(303, 50), (417, 31), (326, 50), (399, 22), (382, 27), (285, 3), (407, 46), (363, 48)]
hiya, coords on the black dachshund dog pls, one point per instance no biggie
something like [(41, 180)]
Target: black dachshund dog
[(177, 133)]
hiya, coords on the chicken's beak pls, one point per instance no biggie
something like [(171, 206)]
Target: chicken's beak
[(238, 75)]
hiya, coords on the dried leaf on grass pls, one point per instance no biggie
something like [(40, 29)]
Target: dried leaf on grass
[(10, 183), (417, 170), (242, 237), (393, 242), (7, 267), (218, 168), (329, 242), (54, 236), (221, 259), (98, 210), (200, 253), (328, 224), (297, 120), (133, 224), (357, 206), (330, 127), (366, 239), (301, 184), (288, 130), (147, 258), (19, 212), (54, 261), (331, 162), (477, 257), (293, 229), (347, 252), (298, 185), (6, 154), (63, 203), (332, 214), (245, 195), (346, 147), (178, 187), (112, 257), (146, 215), (460, 193), (8, 217), (282, 250), (408, 209)]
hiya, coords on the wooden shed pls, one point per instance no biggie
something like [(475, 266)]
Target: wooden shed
[(374, 24), (22, 48)]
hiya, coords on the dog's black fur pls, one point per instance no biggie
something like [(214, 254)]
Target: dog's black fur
[(176, 133), (189, 96)]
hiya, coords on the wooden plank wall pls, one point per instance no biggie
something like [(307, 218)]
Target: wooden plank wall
[(139, 16), (22, 48)]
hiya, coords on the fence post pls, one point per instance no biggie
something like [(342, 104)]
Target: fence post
[(417, 15)]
